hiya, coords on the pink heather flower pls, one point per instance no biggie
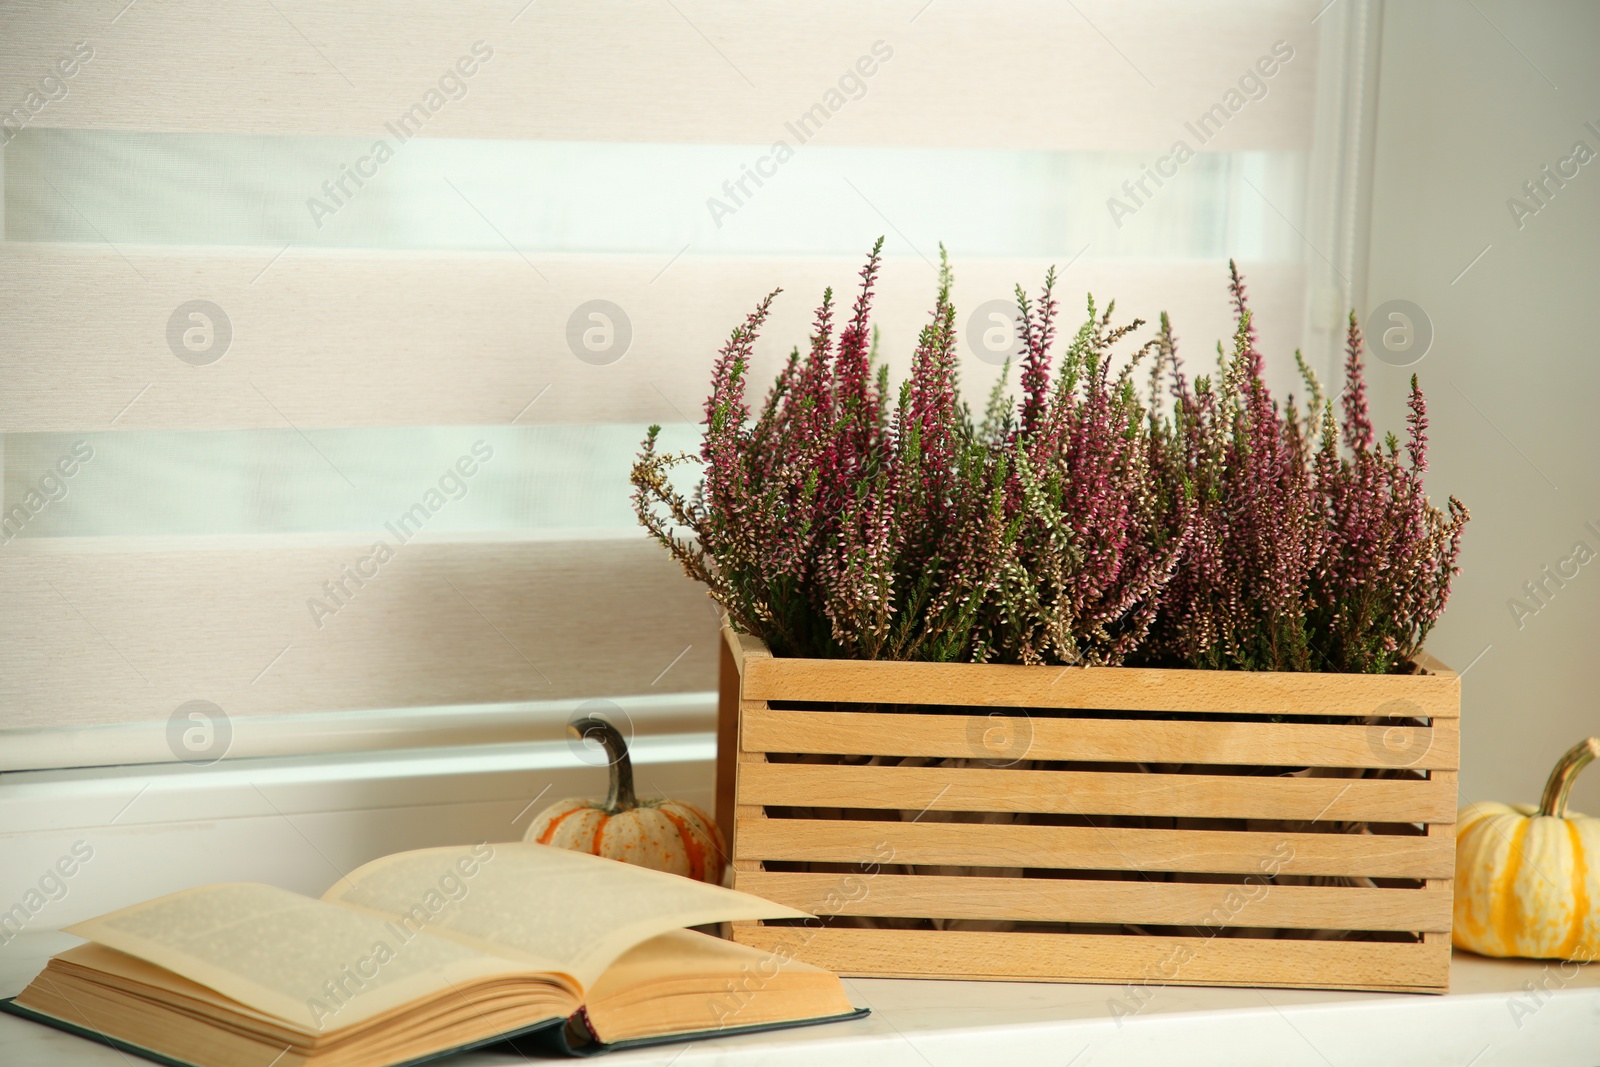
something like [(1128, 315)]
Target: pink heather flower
[(1300, 558)]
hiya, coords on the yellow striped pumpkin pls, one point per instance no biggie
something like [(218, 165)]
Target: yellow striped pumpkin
[(661, 834), (1528, 879)]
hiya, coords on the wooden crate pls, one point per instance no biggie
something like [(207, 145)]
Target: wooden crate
[(1149, 849)]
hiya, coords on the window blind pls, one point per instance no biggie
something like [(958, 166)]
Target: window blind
[(277, 277)]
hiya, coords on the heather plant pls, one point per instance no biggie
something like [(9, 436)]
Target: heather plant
[(829, 526), (1385, 578), (1079, 524), (1092, 556), (1300, 556), (1241, 594), (823, 525)]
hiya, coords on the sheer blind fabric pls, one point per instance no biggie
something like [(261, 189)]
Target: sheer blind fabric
[(330, 331)]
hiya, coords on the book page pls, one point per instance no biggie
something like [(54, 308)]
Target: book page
[(546, 905), (683, 956), (311, 964), (687, 982)]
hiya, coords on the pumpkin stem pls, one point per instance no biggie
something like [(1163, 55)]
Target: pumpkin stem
[(1559, 787), (621, 796)]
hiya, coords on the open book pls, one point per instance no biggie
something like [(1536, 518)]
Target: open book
[(422, 953)]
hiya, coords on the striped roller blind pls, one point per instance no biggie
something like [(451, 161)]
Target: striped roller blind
[(329, 330)]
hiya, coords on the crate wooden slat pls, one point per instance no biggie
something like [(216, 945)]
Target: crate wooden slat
[(1085, 739), (1148, 960), (1093, 901), (1111, 688), (1091, 848), (1304, 823), (1202, 796)]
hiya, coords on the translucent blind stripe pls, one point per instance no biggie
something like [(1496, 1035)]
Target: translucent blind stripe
[(1094, 75), (405, 339), (547, 197), (551, 481), (123, 630)]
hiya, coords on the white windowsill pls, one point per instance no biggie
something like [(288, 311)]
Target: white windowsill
[(935, 1024), (302, 821)]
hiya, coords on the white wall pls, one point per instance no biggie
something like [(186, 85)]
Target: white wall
[(1467, 112)]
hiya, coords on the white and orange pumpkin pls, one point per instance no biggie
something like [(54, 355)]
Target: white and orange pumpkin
[(1528, 879), (664, 835)]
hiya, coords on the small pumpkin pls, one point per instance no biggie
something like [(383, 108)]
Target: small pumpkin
[(664, 835), (1528, 879)]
